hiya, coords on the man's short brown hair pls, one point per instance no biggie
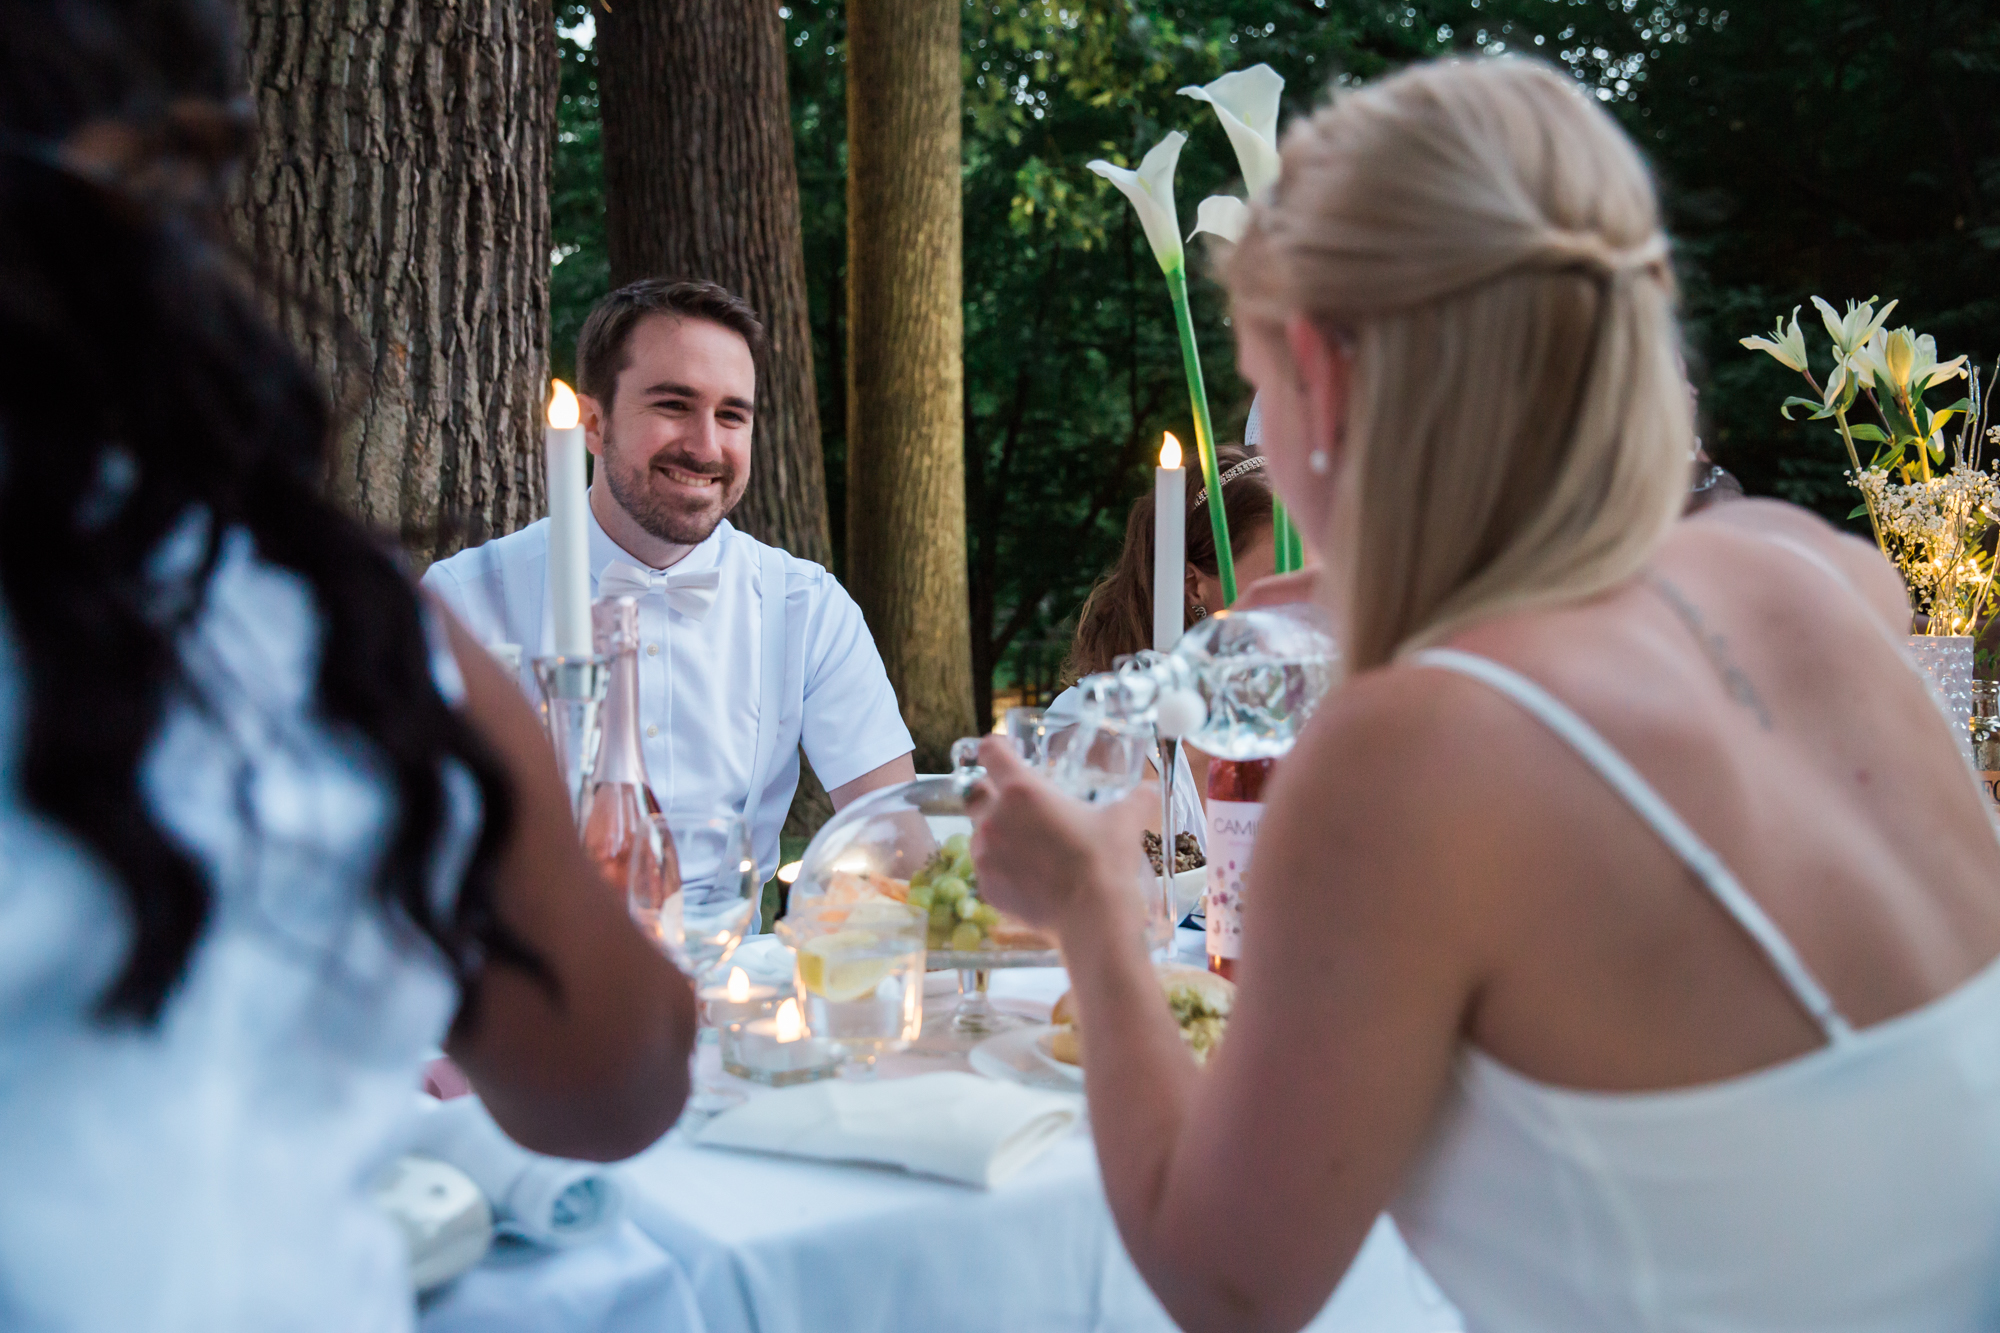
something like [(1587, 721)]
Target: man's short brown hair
[(600, 348)]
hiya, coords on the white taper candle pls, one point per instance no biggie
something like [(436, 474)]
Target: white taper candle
[(569, 531), (1169, 545)]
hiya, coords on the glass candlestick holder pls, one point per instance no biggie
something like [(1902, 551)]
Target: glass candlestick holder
[(573, 690)]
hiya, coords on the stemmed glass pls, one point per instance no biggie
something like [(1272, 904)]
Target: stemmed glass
[(693, 889), (1098, 764)]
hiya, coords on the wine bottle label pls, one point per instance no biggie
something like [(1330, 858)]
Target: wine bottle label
[(1232, 832), (1989, 782)]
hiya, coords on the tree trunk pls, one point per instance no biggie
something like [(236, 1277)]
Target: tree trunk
[(905, 366), (398, 200), (700, 183)]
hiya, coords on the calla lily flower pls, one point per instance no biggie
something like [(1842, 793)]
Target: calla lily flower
[(1851, 332), (1151, 190), (1246, 101), (1786, 345), (1222, 215)]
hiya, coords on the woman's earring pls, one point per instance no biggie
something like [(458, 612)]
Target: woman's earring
[(1198, 612), (1319, 462)]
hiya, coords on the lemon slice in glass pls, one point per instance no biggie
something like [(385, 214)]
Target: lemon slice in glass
[(829, 968)]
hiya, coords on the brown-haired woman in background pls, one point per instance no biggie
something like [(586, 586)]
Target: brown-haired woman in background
[(1117, 617)]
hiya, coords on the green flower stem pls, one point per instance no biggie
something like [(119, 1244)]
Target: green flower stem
[(1840, 419), (1204, 433), (1281, 536)]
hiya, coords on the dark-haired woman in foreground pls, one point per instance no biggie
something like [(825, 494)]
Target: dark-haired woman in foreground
[(1626, 922), (267, 830)]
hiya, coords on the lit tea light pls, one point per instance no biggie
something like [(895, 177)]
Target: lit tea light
[(778, 1051), (790, 1027), (737, 1002)]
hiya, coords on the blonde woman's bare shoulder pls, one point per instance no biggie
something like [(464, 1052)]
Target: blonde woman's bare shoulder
[(1803, 538)]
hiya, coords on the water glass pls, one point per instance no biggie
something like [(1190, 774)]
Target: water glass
[(692, 886), (694, 889), (860, 974)]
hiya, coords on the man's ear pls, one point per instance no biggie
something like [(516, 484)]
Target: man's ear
[(593, 423)]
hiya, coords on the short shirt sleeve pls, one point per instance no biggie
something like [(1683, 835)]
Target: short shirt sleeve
[(851, 723)]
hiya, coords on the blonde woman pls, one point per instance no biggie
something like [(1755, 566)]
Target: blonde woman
[(1625, 923)]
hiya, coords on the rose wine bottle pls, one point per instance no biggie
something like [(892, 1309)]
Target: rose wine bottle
[(1235, 809), (617, 821)]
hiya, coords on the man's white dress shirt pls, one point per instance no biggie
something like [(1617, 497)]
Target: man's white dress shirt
[(727, 694)]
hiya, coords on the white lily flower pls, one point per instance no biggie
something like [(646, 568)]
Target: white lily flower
[(1924, 368), (1246, 101), (1786, 345), (1151, 190), (1222, 215), (1851, 332)]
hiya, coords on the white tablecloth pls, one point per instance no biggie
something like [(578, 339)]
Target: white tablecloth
[(726, 1242)]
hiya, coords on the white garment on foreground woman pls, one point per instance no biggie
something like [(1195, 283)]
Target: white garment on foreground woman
[(208, 1175), (1819, 1193)]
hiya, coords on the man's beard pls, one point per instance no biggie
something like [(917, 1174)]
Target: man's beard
[(679, 521)]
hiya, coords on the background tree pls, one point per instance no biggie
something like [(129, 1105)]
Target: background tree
[(398, 198), (905, 335), (699, 183)]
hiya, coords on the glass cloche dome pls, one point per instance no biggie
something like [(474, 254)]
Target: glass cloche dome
[(910, 843)]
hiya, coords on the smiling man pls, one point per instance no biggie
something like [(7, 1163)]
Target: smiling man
[(746, 651)]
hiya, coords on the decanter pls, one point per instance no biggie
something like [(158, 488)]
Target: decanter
[(617, 812)]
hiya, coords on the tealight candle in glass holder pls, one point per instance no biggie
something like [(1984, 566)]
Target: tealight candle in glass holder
[(777, 1051), (726, 1008)]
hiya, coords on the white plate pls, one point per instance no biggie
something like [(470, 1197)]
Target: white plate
[(1013, 1057), (1045, 1049)]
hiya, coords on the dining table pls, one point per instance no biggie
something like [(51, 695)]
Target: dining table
[(722, 1241)]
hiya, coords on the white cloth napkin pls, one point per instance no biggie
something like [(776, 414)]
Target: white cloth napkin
[(550, 1200), (959, 1126), (765, 959)]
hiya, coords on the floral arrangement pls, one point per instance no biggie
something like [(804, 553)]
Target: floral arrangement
[(1931, 496), (1246, 102)]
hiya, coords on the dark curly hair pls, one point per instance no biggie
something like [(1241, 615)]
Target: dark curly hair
[(141, 385)]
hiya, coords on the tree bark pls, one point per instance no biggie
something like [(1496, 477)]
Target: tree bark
[(397, 199), (905, 366), (700, 182)]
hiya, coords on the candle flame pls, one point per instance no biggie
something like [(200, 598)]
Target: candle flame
[(1170, 450), (562, 406), (738, 989), (790, 1027)]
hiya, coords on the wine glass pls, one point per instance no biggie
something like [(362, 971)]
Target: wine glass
[(693, 889), (718, 895)]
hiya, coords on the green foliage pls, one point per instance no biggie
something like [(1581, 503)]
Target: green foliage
[(581, 268), (1838, 146)]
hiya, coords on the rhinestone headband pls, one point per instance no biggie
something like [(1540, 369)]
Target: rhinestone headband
[(1250, 464)]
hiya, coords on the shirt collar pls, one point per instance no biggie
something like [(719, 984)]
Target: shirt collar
[(603, 550)]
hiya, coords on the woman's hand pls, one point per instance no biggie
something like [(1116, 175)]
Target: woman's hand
[(1040, 854)]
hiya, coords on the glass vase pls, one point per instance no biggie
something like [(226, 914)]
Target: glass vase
[(1946, 661)]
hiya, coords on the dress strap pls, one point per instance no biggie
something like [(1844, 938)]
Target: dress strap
[(1683, 841)]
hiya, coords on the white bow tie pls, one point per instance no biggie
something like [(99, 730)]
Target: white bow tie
[(688, 591)]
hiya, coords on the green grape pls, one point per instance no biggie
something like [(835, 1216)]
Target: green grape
[(950, 889), (987, 915), (957, 845), (966, 936), (942, 915), (968, 907), (920, 895)]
